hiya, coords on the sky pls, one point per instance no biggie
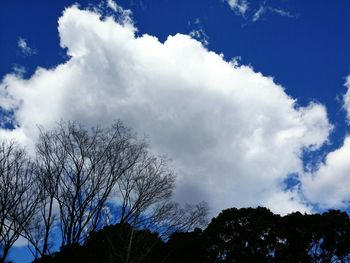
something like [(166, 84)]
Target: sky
[(248, 98)]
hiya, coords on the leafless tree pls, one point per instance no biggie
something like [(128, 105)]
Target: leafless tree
[(18, 194), (169, 217), (85, 174), (145, 196), (78, 169), (50, 158), (145, 184), (165, 218)]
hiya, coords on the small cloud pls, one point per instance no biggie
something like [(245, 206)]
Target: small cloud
[(25, 49), (113, 5), (258, 13), (124, 16), (281, 12), (239, 6), (199, 32), (346, 99), (197, 21), (246, 10), (19, 70), (236, 61), (200, 35), (263, 9)]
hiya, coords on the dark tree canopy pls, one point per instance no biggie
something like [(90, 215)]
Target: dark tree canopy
[(257, 235), (242, 235), (235, 235)]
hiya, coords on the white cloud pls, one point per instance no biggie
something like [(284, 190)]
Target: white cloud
[(24, 48), (239, 6), (329, 185), (263, 9), (199, 32), (19, 70), (291, 199), (258, 14), (233, 134), (281, 12), (123, 15), (113, 5), (347, 98), (200, 35), (243, 8)]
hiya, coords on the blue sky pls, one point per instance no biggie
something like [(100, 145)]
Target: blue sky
[(235, 136)]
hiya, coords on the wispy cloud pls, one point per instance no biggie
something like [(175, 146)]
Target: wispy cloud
[(113, 5), (200, 35), (19, 70), (264, 9), (24, 48), (249, 12), (258, 13), (199, 32), (123, 15), (239, 6), (282, 12), (346, 99)]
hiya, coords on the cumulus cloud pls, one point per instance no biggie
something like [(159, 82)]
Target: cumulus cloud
[(329, 185), (233, 134), (24, 48)]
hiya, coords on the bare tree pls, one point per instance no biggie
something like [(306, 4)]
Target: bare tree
[(18, 194), (169, 217), (145, 196), (78, 169), (145, 184), (49, 167)]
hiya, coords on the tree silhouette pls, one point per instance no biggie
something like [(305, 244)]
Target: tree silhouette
[(242, 235), (187, 247), (18, 194), (87, 179), (235, 235)]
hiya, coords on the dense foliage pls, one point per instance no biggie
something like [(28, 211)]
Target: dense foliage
[(235, 235)]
